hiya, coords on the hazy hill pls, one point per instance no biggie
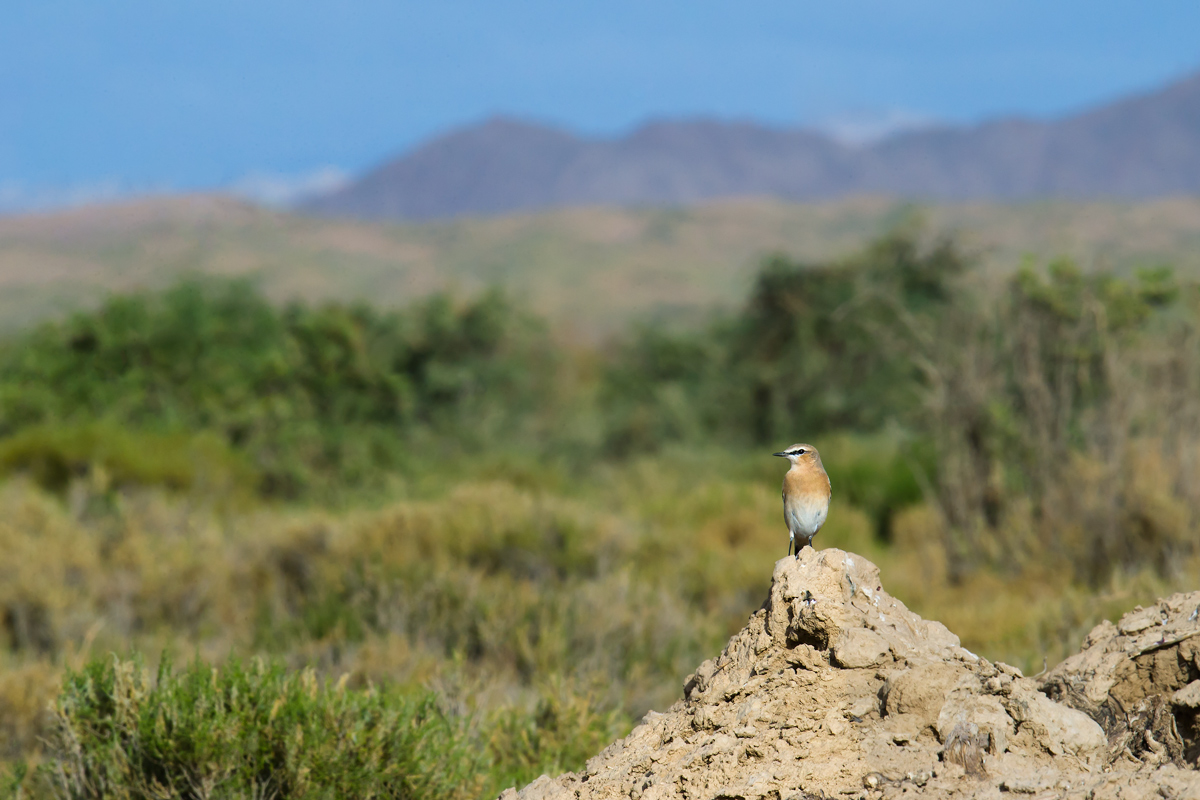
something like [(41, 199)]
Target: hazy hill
[(590, 270), (1140, 147)]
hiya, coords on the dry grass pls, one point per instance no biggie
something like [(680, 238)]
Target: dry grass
[(497, 596), (1067, 429), (1031, 620)]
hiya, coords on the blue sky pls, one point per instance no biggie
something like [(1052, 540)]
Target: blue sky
[(183, 94)]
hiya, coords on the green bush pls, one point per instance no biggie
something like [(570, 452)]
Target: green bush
[(304, 396), (251, 730), (879, 474), (833, 346), (110, 457), (13, 780), (816, 347)]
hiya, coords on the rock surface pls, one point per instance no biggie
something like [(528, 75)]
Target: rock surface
[(1140, 679), (834, 688)]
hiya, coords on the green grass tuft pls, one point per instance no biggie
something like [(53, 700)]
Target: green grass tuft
[(252, 729)]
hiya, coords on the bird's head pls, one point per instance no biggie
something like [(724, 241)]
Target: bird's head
[(801, 454)]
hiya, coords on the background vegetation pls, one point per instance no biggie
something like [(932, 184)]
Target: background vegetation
[(378, 537)]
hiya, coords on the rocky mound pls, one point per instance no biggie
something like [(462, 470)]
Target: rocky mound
[(834, 688)]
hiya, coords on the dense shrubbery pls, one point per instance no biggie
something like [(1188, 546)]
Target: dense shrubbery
[(303, 396), (1032, 417), (999, 406), (817, 348), (1066, 421), (1019, 457), (838, 346)]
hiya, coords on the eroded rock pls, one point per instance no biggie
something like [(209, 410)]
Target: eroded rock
[(834, 688), (1140, 681), (985, 712), (858, 648)]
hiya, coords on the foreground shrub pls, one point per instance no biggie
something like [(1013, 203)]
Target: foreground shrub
[(250, 730)]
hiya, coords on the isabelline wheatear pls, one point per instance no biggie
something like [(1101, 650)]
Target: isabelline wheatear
[(806, 494)]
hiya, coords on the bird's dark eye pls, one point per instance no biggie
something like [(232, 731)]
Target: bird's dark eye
[(801, 451)]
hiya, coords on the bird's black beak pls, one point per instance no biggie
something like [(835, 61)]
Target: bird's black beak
[(780, 454)]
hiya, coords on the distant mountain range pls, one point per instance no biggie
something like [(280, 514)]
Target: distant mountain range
[(1139, 147)]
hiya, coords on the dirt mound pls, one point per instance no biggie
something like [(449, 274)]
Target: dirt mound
[(1140, 680), (834, 688)]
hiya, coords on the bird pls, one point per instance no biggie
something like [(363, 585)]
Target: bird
[(806, 493)]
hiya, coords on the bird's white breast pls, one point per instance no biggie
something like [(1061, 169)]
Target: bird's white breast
[(806, 516)]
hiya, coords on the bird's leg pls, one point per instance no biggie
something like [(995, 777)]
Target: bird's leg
[(791, 542)]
